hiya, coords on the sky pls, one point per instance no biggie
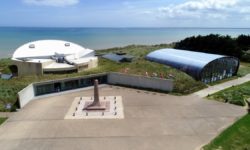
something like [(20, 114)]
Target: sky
[(125, 13)]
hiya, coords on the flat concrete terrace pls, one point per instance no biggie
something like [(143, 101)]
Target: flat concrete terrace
[(153, 121)]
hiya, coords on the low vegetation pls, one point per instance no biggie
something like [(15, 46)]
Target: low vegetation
[(2, 120), (234, 95), (182, 82), (236, 137), (244, 69)]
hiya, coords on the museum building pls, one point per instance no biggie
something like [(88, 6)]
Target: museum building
[(52, 56), (201, 66)]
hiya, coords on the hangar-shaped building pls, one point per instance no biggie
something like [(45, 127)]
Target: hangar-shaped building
[(201, 66)]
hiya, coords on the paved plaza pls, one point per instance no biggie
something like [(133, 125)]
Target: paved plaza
[(152, 121)]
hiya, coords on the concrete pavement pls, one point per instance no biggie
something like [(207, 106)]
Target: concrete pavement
[(6, 114), (153, 121)]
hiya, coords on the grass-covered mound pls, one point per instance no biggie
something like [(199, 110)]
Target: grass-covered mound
[(234, 95), (236, 137), (184, 84)]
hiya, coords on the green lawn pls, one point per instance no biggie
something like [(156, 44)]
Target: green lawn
[(234, 95), (236, 137), (182, 82), (244, 69), (2, 120)]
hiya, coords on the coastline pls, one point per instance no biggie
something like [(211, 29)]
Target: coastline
[(103, 49), (97, 38)]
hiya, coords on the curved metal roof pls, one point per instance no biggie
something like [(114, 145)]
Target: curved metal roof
[(188, 61)]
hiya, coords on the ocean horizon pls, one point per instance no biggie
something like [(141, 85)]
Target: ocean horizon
[(107, 37)]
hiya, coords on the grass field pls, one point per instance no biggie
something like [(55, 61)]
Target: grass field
[(236, 137), (244, 69), (2, 120), (182, 82), (234, 95)]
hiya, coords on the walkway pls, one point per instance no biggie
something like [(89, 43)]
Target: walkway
[(216, 88), (6, 114)]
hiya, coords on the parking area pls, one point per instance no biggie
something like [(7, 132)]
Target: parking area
[(153, 121)]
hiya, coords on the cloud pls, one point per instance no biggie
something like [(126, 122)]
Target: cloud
[(245, 10), (207, 5), (147, 12), (55, 3), (199, 9)]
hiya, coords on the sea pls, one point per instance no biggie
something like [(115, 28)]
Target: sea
[(101, 38)]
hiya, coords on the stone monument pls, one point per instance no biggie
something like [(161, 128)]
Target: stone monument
[(96, 107), (96, 104)]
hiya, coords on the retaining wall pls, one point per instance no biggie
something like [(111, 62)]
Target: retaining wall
[(28, 68), (140, 81), (26, 95), (29, 93)]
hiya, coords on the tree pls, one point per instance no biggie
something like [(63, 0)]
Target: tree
[(243, 42), (213, 43)]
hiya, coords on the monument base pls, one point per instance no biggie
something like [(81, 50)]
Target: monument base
[(112, 104), (103, 105)]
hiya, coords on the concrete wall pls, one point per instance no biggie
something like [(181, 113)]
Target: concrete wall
[(93, 62), (34, 68), (140, 81), (26, 95), (28, 68)]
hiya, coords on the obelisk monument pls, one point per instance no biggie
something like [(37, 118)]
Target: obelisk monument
[(96, 104)]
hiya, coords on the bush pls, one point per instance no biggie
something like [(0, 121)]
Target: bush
[(246, 56), (216, 44), (237, 102), (243, 41)]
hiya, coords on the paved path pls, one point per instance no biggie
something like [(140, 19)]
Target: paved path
[(219, 87), (6, 114), (153, 121)]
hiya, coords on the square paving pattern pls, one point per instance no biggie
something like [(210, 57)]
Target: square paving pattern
[(153, 121)]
